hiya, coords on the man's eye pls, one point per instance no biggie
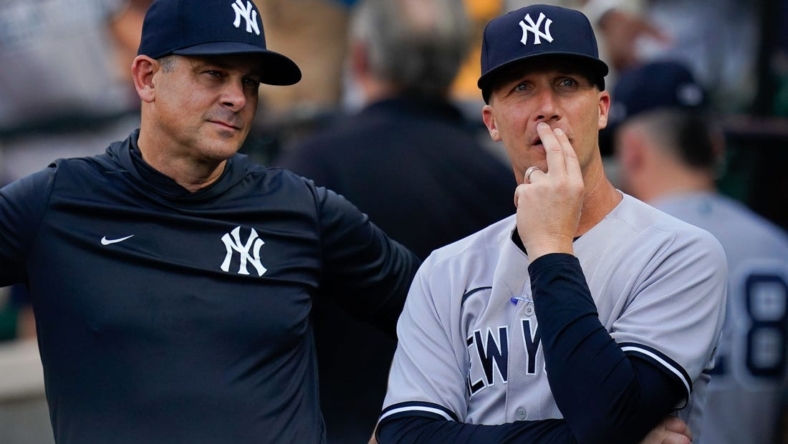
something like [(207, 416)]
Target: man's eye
[(252, 83), (567, 82)]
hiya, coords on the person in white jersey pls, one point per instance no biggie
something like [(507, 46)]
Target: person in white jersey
[(669, 156), (588, 316)]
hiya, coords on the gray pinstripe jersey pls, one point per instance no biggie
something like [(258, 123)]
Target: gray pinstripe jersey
[(468, 338), (744, 392)]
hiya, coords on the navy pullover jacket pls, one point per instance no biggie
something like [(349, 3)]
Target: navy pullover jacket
[(168, 317)]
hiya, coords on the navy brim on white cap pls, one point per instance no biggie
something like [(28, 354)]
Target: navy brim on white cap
[(537, 31), (213, 27)]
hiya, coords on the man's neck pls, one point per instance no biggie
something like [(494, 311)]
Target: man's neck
[(600, 199), (186, 171), (672, 181)]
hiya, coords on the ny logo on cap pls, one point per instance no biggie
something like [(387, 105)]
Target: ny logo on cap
[(247, 13), (534, 28)]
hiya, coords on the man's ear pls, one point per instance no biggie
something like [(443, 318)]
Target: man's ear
[(488, 116), (142, 70), (359, 58), (630, 149), (604, 109)]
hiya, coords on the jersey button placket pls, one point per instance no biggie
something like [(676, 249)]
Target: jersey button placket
[(520, 414)]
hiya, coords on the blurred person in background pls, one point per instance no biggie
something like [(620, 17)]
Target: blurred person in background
[(412, 163), (670, 154)]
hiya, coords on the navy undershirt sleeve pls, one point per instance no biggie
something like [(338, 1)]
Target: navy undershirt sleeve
[(601, 393), (657, 391), (604, 395)]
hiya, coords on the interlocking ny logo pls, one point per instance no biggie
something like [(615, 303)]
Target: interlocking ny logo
[(247, 13), (534, 29), (234, 244)]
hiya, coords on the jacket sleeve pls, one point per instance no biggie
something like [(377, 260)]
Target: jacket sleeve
[(22, 207), (365, 271)]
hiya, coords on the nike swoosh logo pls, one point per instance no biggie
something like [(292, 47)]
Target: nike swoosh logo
[(105, 241)]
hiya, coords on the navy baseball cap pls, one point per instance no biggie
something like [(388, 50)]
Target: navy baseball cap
[(213, 27), (536, 31), (655, 85)]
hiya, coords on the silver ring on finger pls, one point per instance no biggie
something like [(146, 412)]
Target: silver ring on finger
[(530, 171)]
